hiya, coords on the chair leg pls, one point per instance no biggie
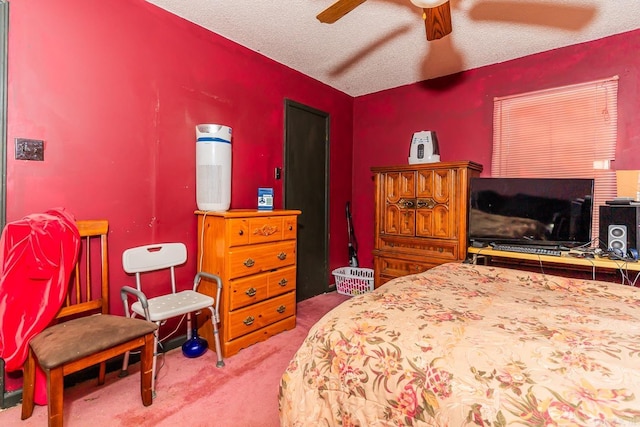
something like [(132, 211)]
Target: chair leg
[(147, 370), (28, 386), (156, 334), (55, 390), (216, 338), (102, 373), (125, 361), (125, 366), (189, 326)]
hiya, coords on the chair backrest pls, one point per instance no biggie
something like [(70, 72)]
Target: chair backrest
[(89, 284), (160, 256)]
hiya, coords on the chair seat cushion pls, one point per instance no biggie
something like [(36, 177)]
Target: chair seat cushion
[(81, 337), (171, 305)]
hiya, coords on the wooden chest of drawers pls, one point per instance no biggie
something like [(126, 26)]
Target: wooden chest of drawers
[(254, 252), (421, 217)]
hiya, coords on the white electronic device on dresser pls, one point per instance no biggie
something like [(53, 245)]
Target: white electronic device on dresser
[(424, 148)]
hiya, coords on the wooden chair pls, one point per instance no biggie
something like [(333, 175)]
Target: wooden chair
[(92, 336)]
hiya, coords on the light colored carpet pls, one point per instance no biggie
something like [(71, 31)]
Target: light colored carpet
[(191, 392)]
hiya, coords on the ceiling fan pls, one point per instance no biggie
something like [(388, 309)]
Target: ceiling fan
[(436, 15)]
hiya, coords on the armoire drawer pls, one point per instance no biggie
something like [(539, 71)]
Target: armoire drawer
[(438, 248), (397, 267), (444, 249), (243, 261), (259, 315)]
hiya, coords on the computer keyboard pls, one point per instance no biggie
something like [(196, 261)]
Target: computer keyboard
[(536, 250)]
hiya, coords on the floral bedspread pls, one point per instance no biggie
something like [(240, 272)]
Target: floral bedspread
[(471, 345)]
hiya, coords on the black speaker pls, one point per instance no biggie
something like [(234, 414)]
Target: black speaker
[(619, 227), (617, 237)]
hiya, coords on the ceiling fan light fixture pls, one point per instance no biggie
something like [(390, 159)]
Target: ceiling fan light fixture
[(428, 3)]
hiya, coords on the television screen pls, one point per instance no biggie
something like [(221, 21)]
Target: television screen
[(531, 211)]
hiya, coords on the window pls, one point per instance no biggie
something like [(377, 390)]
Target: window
[(566, 132)]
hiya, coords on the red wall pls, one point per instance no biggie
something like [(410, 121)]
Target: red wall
[(460, 109), (115, 89)]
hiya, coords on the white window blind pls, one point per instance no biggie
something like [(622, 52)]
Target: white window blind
[(565, 132)]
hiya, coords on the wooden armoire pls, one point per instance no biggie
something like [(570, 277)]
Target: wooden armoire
[(420, 216)]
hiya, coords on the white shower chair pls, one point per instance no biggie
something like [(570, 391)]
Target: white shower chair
[(167, 256)]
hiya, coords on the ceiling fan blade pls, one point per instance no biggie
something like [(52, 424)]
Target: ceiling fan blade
[(569, 17), (338, 10), (437, 21)]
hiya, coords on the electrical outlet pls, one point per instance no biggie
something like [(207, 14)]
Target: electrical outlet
[(29, 149)]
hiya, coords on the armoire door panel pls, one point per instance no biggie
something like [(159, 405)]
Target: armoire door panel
[(408, 222), (391, 223), (437, 222), (424, 222), (443, 224), (443, 180), (424, 184), (407, 183), (399, 185), (399, 221), (391, 185)]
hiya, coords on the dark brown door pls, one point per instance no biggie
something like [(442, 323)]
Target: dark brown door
[(306, 187)]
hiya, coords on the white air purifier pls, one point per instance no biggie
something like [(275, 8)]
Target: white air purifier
[(213, 167)]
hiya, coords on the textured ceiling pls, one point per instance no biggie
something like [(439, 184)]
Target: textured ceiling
[(382, 43)]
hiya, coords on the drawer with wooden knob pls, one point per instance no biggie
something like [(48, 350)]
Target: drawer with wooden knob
[(396, 267), (281, 281), (289, 227), (262, 230), (256, 316), (254, 259), (248, 290), (253, 289), (238, 231), (446, 250)]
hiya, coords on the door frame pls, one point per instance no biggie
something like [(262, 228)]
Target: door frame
[(4, 24), (7, 399), (327, 168)]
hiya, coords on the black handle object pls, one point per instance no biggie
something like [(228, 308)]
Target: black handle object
[(353, 243)]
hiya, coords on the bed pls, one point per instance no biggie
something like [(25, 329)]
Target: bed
[(465, 344)]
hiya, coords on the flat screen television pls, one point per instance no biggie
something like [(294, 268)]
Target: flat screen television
[(531, 211)]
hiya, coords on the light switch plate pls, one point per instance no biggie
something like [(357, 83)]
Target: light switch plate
[(29, 149)]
